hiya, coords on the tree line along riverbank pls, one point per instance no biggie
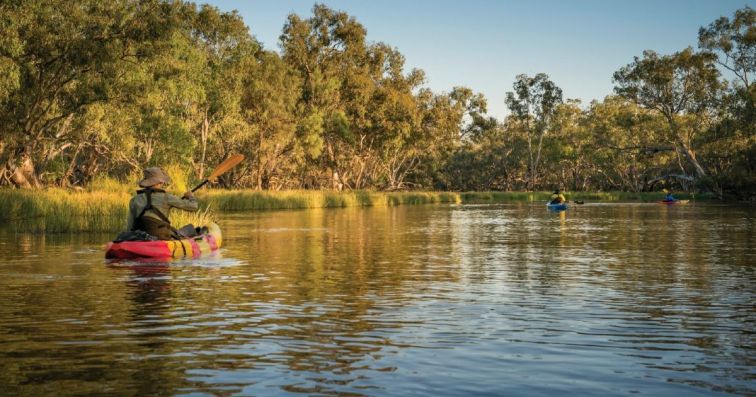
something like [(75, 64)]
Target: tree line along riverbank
[(115, 86)]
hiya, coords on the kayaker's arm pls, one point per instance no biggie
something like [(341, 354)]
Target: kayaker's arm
[(188, 204)]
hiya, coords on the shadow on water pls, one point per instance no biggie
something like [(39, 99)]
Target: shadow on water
[(425, 300)]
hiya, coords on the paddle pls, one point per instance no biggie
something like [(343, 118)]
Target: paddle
[(221, 169)]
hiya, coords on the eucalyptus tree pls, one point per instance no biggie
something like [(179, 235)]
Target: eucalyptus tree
[(54, 67), (226, 55), (325, 50), (682, 87), (484, 160), (393, 133), (532, 104), (268, 107), (161, 98), (734, 41), (424, 153), (358, 109), (11, 48), (730, 148), (568, 149), (630, 149)]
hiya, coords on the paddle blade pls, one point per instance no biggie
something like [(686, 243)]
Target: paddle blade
[(229, 163)]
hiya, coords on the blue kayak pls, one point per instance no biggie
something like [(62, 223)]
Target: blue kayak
[(556, 207)]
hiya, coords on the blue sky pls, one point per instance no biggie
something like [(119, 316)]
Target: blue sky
[(484, 44)]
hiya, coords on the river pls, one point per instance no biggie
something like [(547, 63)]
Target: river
[(427, 300)]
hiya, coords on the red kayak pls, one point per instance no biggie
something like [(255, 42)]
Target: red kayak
[(192, 247)]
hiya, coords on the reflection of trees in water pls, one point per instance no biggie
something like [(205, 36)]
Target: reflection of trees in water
[(663, 266), (311, 299), (659, 276), (66, 322), (314, 295), (147, 366), (639, 250), (324, 290), (149, 287)]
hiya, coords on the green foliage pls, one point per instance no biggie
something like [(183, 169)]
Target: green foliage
[(682, 87), (735, 39), (533, 104), (116, 86), (730, 147)]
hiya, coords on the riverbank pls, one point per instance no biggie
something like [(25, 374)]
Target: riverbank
[(643, 197), (105, 209)]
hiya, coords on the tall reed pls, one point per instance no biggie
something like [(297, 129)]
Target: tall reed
[(241, 200), (61, 211), (67, 211), (202, 217), (473, 197)]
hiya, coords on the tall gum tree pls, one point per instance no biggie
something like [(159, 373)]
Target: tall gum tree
[(680, 86), (442, 129), (629, 144), (730, 149), (57, 66), (735, 41), (325, 49), (568, 148), (533, 103), (227, 57), (356, 102), (268, 106)]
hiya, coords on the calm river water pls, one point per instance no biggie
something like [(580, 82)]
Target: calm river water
[(436, 300)]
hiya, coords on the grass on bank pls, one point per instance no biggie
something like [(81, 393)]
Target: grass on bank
[(56, 210), (61, 211), (478, 197), (242, 200), (104, 206)]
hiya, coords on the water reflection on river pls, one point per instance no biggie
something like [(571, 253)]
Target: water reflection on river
[(417, 300)]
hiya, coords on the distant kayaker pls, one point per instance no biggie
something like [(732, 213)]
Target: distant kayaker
[(557, 197), (669, 197), (148, 210)]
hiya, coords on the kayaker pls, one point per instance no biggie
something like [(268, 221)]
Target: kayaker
[(669, 196), (557, 198), (148, 210)]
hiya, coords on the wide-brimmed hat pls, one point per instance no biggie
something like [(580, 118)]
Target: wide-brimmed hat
[(153, 176)]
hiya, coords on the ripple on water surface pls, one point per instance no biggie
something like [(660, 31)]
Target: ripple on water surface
[(423, 300)]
